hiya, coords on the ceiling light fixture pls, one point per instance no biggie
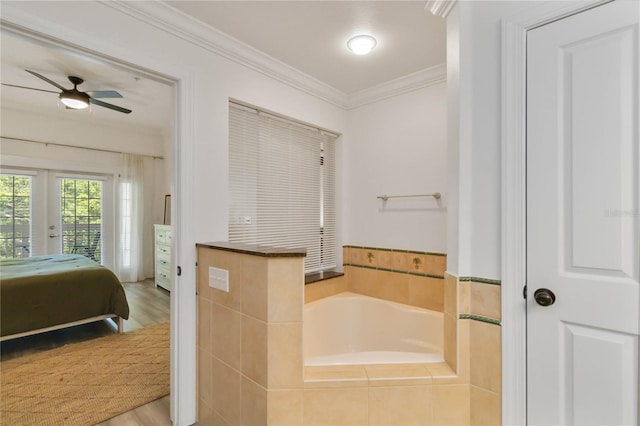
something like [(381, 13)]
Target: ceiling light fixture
[(361, 44), (74, 99)]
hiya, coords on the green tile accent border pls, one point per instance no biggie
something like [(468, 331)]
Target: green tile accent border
[(395, 250), (419, 274), (479, 280), (480, 318)]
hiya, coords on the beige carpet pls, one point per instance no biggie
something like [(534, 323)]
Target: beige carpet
[(86, 383)]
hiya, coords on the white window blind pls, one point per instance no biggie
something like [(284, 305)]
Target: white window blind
[(282, 185)]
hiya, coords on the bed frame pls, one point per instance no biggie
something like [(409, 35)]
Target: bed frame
[(118, 320)]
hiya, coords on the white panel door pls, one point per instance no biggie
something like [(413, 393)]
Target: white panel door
[(582, 218)]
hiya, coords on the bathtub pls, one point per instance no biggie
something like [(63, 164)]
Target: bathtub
[(350, 328)]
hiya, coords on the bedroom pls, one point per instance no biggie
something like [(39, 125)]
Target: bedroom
[(47, 148)]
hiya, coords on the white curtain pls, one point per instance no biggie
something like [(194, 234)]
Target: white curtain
[(129, 265)]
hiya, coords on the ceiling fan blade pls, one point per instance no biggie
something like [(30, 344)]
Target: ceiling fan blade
[(30, 88), (53, 83), (103, 94), (110, 106)]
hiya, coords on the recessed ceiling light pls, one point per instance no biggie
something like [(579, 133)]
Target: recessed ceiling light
[(361, 44)]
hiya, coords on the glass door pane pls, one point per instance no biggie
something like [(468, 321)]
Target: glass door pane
[(81, 217), (15, 216)]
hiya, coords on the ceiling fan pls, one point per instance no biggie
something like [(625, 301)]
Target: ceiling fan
[(74, 98)]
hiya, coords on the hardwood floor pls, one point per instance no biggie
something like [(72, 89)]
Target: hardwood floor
[(147, 305), (155, 413)]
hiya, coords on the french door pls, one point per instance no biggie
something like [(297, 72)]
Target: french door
[(75, 215), (50, 212)]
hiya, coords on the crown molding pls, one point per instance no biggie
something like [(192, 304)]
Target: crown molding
[(176, 22), (417, 80), (440, 8)]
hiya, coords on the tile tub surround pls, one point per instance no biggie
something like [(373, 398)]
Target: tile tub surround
[(325, 288), (403, 276), (250, 358), (400, 394)]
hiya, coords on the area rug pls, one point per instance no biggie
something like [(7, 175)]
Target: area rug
[(88, 382)]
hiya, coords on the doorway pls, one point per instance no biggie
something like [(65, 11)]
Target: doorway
[(61, 193)]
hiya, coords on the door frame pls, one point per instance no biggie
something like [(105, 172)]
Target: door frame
[(514, 196)]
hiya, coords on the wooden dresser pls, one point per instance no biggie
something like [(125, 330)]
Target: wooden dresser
[(163, 256)]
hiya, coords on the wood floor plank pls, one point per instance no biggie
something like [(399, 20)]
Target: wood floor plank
[(155, 413)]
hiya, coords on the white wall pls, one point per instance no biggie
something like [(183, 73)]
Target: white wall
[(478, 232), (454, 167), (397, 146)]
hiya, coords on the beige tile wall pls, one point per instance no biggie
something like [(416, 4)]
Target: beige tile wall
[(472, 343), (396, 260), (451, 337), (410, 394), (250, 340), (412, 278), (480, 302), (325, 288)]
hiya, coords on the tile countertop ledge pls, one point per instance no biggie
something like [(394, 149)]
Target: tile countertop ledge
[(255, 250)]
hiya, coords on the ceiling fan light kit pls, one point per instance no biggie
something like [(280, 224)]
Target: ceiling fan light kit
[(76, 99)]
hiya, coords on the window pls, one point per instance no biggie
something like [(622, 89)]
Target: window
[(15, 220), (282, 185)]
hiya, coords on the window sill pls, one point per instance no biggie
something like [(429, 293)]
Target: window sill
[(321, 276)]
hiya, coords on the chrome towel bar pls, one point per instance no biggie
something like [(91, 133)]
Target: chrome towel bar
[(435, 195)]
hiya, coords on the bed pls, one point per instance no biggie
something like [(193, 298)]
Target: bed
[(44, 293)]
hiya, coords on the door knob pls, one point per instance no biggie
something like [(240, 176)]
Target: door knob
[(544, 297)]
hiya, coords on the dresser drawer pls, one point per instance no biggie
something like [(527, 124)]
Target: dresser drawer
[(163, 279), (163, 249), (163, 269), (161, 236), (163, 257)]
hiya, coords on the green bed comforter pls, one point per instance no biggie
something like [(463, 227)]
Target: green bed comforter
[(43, 291)]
